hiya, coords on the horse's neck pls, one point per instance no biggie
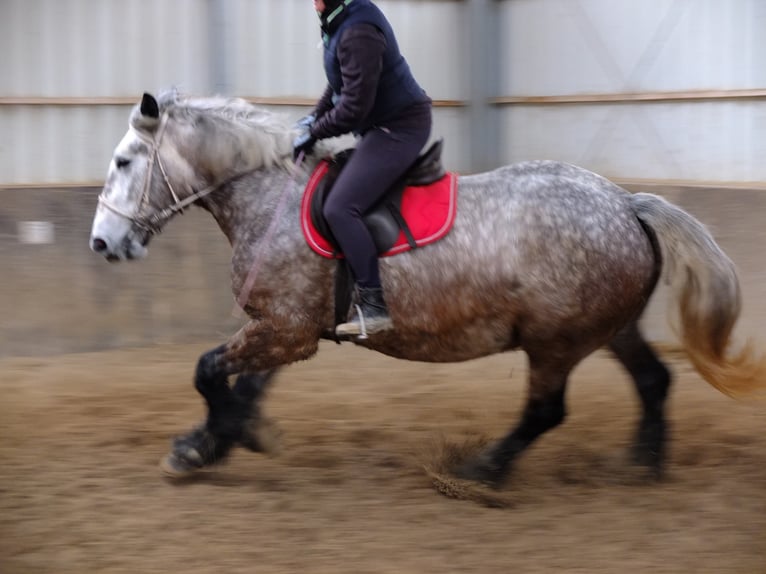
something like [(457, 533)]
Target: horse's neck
[(246, 207)]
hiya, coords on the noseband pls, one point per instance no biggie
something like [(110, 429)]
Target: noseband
[(153, 222)]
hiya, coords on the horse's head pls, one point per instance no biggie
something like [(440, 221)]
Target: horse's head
[(177, 150), (138, 196)]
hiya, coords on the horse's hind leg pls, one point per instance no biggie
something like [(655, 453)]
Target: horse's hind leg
[(652, 380), (544, 410), (233, 416)]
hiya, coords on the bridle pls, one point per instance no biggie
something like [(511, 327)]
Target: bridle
[(153, 222)]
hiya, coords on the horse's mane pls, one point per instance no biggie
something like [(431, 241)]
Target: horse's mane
[(237, 135)]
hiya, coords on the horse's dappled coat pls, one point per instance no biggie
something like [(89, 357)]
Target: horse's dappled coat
[(543, 256)]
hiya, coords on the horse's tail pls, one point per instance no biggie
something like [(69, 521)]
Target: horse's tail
[(704, 283)]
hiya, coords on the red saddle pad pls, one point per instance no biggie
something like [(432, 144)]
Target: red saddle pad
[(429, 211)]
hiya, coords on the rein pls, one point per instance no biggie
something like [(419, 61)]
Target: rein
[(247, 286), (153, 223)]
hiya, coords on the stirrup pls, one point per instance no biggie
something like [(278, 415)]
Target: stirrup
[(362, 323), (365, 326), (357, 320)]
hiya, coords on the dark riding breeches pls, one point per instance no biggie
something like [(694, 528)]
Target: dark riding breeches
[(382, 155)]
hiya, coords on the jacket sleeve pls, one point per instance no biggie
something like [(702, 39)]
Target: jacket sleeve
[(360, 54), (324, 104)]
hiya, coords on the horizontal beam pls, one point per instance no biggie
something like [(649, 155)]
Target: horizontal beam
[(132, 100), (634, 97)]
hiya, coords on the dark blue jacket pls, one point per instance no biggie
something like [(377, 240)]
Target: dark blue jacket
[(369, 80)]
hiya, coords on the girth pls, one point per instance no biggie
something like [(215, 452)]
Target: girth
[(384, 219)]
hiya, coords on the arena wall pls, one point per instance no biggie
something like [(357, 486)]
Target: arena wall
[(57, 296)]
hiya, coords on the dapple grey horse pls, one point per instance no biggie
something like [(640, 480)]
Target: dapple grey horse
[(543, 256)]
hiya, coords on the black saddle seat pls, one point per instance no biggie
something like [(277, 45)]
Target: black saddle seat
[(384, 219)]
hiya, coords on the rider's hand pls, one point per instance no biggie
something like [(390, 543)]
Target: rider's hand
[(305, 122), (303, 143)]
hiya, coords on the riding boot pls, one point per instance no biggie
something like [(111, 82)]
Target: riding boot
[(371, 314)]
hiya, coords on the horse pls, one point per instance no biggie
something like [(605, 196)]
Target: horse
[(543, 257)]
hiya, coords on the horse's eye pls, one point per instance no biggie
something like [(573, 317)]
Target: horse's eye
[(121, 162)]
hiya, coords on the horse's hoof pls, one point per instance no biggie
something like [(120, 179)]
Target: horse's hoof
[(262, 435), (650, 460), (482, 470), (175, 466)]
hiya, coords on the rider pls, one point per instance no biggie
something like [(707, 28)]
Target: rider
[(372, 93)]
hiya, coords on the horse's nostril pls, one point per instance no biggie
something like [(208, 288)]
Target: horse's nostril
[(99, 245)]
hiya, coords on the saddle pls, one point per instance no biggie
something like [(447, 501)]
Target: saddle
[(384, 219)]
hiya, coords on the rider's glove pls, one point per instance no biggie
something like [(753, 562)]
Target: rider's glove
[(303, 143), (305, 121)]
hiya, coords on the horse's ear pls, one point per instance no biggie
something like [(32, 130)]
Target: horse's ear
[(149, 106)]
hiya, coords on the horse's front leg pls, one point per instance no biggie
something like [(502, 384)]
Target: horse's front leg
[(234, 414), (257, 432)]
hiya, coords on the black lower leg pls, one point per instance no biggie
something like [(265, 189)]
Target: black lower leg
[(226, 409), (251, 388), (213, 440), (545, 409), (539, 416), (233, 416), (652, 381)]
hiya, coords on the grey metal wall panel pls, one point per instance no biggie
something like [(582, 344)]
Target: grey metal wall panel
[(606, 46), (569, 47), (452, 125), (277, 47), (276, 51), (59, 144), (449, 123), (433, 38), (88, 48), (111, 48), (704, 141), (101, 47), (118, 48), (73, 144)]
